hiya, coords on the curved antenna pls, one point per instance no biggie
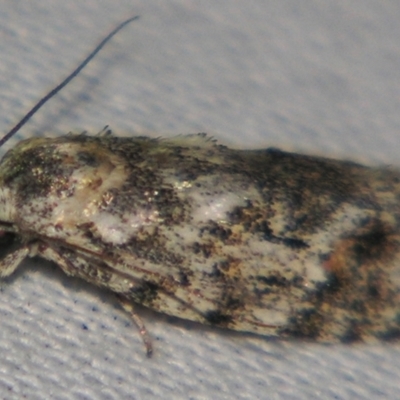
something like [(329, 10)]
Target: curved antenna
[(65, 82)]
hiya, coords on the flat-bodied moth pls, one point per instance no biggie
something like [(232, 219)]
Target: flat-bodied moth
[(258, 241)]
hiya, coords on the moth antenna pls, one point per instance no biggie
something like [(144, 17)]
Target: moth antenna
[(65, 82)]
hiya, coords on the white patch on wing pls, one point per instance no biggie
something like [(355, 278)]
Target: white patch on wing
[(119, 230), (213, 207), (213, 197)]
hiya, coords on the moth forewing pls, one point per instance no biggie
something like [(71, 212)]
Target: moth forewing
[(267, 242)]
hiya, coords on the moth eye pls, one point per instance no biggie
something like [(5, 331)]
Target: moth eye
[(9, 242)]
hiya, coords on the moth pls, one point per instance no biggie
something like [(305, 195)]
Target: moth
[(261, 241)]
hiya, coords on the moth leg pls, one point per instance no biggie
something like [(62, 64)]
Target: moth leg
[(52, 255), (76, 270), (11, 261), (128, 306)]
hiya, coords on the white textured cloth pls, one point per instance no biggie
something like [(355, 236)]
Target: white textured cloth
[(315, 76)]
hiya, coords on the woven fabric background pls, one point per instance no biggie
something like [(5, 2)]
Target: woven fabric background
[(314, 76)]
